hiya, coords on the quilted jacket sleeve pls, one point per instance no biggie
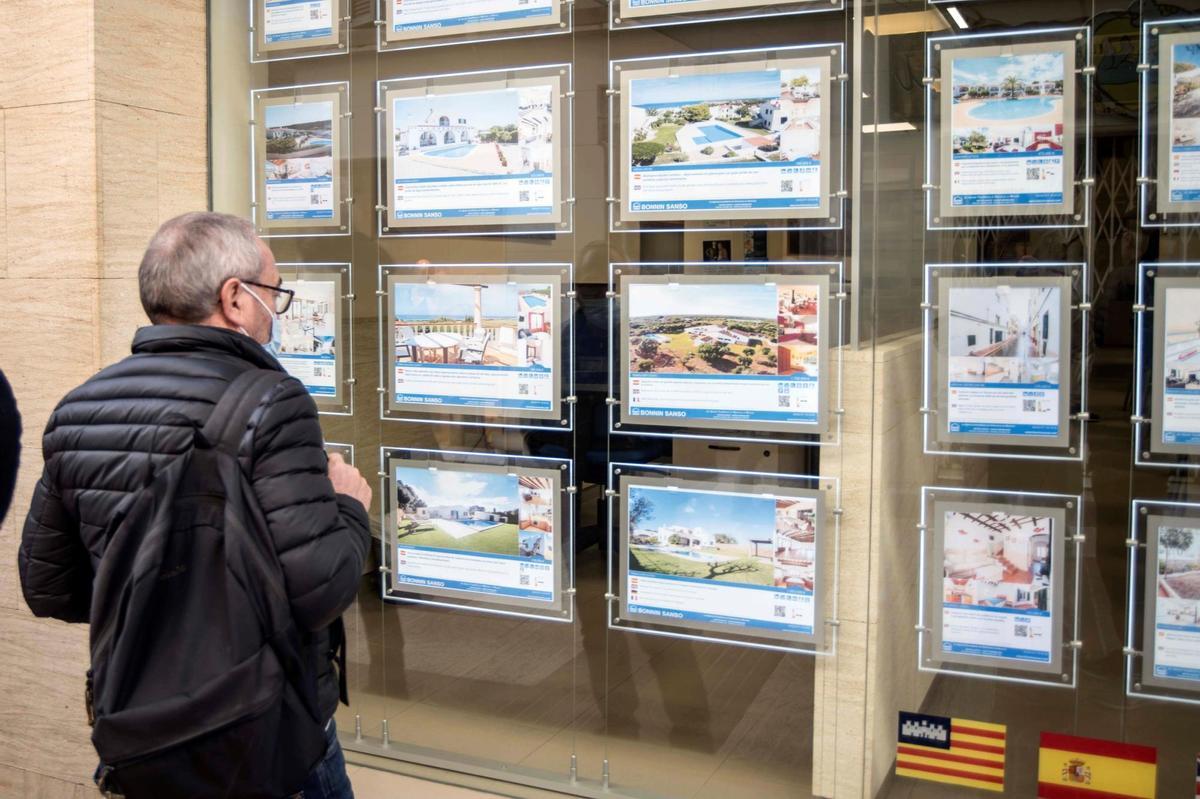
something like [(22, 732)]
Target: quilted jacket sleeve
[(321, 537), (55, 569)]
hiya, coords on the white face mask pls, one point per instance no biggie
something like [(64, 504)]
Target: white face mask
[(274, 342)]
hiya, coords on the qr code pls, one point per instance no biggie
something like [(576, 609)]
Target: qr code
[(1029, 405), (785, 400), (1021, 630), (786, 185), (320, 371), (314, 13), (780, 611), (523, 389), (524, 579), (524, 196), (1033, 173), (315, 199)]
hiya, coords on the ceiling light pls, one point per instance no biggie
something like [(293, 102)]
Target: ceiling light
[(957, 16)]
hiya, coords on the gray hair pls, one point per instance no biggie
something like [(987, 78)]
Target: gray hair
[(189, 259)]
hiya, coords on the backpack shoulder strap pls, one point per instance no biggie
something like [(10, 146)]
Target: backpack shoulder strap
[(231, 415)]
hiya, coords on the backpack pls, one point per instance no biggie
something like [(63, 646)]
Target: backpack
[(199, 684)]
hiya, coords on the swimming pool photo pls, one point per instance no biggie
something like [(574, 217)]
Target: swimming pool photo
[(1008, 110), (451, 151), (715, 132)]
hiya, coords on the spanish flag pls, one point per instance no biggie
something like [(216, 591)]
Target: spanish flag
[(1088, 768), (949, 750)]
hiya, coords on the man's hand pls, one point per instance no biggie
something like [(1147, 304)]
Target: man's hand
[(347, 480)]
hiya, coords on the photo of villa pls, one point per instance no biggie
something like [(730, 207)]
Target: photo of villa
[(299, 142), (497, 132), (999, 560), (1185, 95), (310, 323), (703, 328), (795, 544), (470, 511), (1004, 334), (758, 115), (1181, 351), (474, 324), (1178, 588), (1007, 103), (701, 535)]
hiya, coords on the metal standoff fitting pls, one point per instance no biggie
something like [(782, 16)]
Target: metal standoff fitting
[(571, 400), (1088, 71), (571, 489), (612, 92), (1075, 644), (611, 401), (1086, 182), (1143, 180), (350, 381), (381, 208), (1143, 67), (1082, 416), (358, 727), (928, 80), (380, 293), (928, 187), (929, 411), (379, 109), (921, 628), (387, 738), (1129, 651), (1079, 539), (1137, 419), (1131, 543), (1138, 307), (381, 390), (833, 623), (610, 597), (1084, 306), (608, 492)]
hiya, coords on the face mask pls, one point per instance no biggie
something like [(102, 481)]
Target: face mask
[(275, 342)]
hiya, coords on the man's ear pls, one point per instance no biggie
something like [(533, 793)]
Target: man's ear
[(232, 301)]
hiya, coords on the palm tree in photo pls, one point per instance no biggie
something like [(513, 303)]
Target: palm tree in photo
[(1011, 84)]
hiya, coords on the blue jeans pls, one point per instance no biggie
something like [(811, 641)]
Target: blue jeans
[(328, 780)]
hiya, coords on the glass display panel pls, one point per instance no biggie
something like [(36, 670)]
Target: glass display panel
[(434, 23), (300, 160), (480, 532), (482, 152), (1169, 164), (720, 556), (316, 344), (471, 343), (1166, 419), (283, 29), (652, 13), (1007, 138), (745, 136)]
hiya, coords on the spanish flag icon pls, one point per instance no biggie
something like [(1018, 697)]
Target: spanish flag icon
[(1070, 767)]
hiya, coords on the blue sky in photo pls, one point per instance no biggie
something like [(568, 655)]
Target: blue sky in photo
[(1188, 52), (422, 300), (481, 109), (752, 85), (454, 487), (994, 69), (282, 116), (743, 300), (738, 515)]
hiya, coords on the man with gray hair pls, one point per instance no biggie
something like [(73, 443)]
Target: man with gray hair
[(213, 293)]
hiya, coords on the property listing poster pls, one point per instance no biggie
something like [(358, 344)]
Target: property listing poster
[(1003, 350), (297, 22), (1007, 129), (631, 9), (299, 163), (476, 343), (1179, 122), (415, 19), (1178, 348), (721, 560), (723, 351), (728, 141), (1173, 591), (998, 585), (486, 156), (309, 343), (476, 532)]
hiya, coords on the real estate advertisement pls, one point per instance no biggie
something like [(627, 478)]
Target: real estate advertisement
[(633, 9), (309, 345), (1008, 118), (466, 343), (298, 154), (1175, 418), (477, 532), (722, 560), (733, 140), (487, 153), (724, 351), (419, 19), (1172, 630), (1004, 344), (289, 24), (1178, 186), (997, 597)]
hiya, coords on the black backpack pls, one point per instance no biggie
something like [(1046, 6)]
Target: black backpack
[(199, 684)]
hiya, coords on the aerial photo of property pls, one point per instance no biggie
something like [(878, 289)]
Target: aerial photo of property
[(453, 509), (997, 559), (1178, 576), (299, 142), (1185, 95), (701, 535), (795, 543), (474, 324), (1004, 334), (759, 115), (703, 328), (497, 132), (1181, 355), (1007, 103)]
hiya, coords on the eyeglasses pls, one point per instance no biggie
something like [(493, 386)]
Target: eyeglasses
[(283, 297)]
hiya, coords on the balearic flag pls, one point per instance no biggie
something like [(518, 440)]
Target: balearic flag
[(1070, 767), (953, 751)]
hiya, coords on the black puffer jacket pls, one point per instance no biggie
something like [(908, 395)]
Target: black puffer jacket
[(95, 449)]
